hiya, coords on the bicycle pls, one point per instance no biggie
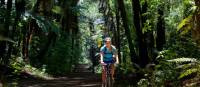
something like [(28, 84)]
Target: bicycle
[(109, 81)]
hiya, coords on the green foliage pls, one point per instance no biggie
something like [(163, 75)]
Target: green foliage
[(182, 60), (57, 9), (59, 57), (39, 73), (187, 73), (20, 67), (126, 68), (185, 26), (182, 46), (187, 65), (89, 11), (6, 39), (143, 83), (166, 54), (45, 24), (17, 64), (31, 4), (172, 72)]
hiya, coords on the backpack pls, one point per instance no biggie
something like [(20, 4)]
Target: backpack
[(105, 49)]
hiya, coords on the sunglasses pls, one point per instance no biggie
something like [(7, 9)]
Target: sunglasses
[(107, 42)]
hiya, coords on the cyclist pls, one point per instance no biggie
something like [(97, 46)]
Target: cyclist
[(108, 54)]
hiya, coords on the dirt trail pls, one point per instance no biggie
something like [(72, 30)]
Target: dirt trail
[(71, 80)]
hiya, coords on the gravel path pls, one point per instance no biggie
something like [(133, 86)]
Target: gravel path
[(71, 80)]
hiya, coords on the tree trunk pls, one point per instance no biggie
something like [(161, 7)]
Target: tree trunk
[(127, 30), (69, 23), (2, 32), (43, 8), (20, 9), (196, 24), (5, 46), (160, 39), (2, 3), (5, 51), (143, 53), (41, 54), (149, 37), (118, 32), (27, 39)]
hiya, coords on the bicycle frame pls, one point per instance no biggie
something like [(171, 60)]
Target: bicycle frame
[(108, 75)]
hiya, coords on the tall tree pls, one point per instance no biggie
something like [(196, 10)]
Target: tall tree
[(118, 32), (5, 47), (7, 27), (143, 53), (196, 23), (123, 14), (2, 43), (160, 39)]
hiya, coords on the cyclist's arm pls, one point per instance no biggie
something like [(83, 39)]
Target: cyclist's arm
[(117, 59), (101, 54), (115, 55), (101, 57)]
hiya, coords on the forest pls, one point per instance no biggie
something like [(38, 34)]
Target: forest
[(56, 43)]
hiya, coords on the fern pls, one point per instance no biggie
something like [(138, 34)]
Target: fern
[(185, 25), (6, 39), (188, 69), (183, 60), (186, 66), (187, 73), (45, 24), (57, 9)]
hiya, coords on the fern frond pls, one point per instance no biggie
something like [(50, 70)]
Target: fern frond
[(45, 24), (186, 66), (187, 73), (2, 38), (183, 60), (56, 9), (185, 25)]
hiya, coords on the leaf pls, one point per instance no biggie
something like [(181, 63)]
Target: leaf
[(6, 39), (32, 3), (181, 60), (186, 29), (187, 73), (46, 25), (185, 23), (41, 22), (56, 9)]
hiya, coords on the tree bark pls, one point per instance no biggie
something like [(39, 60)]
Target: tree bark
[(160, 39), (118, 32), (2, 3), (27, 39), (127, 30), (143, 53), (41, 54), (6, 49), (196, 24), (149, 37)]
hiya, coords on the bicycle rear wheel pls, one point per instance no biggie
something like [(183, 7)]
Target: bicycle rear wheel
[(109, 82)]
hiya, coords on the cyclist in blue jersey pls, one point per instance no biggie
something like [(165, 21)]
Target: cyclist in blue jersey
[(108, 54)]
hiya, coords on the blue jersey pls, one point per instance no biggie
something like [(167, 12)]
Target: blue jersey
[(108, 54)]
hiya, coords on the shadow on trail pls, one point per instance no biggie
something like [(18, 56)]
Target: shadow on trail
[(81, 78), (71, 80)]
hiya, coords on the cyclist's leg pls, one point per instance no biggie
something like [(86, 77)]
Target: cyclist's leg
[(113, 70), (103, 74)]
